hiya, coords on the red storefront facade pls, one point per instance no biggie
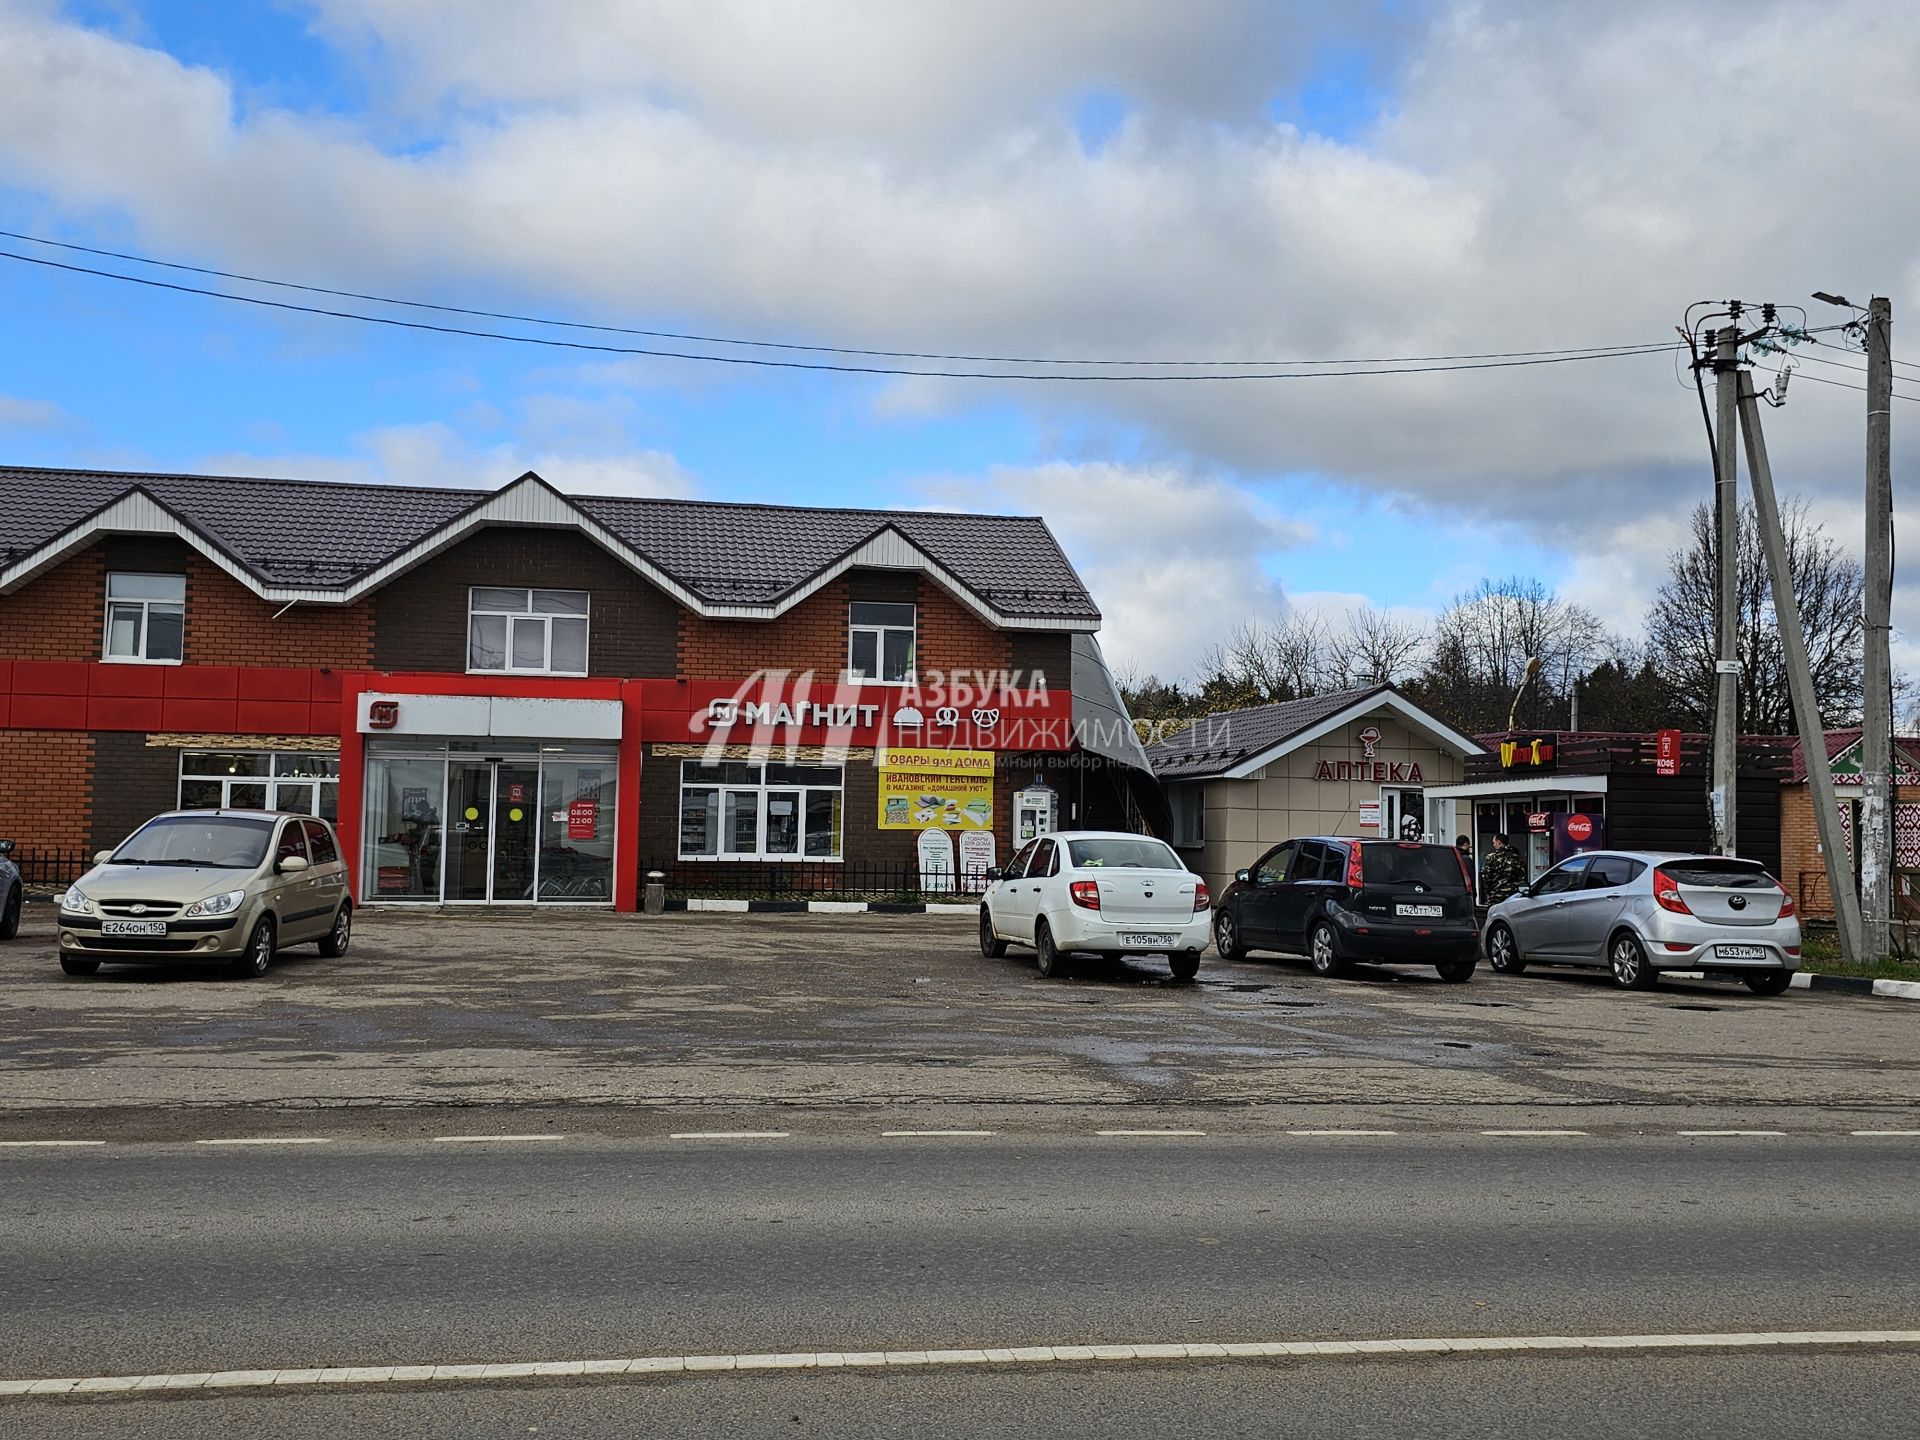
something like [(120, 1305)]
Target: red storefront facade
[(723, 714)]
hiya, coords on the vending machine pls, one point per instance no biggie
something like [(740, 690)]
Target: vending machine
[(1036, 812)]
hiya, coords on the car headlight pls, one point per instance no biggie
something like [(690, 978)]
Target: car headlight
[(217, 904), (75, 902)]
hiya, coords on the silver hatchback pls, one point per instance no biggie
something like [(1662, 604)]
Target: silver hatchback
[(1641, 912)]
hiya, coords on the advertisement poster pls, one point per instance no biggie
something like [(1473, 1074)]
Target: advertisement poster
[(1369, 814), (583, 819), (936, 861), (937, 789), (976, 858)]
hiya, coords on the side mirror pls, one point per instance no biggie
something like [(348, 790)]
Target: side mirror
[(292, 865), (1243, 877), (994, 874), (100, 857), (6, 847)]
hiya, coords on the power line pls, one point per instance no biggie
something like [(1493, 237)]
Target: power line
[(678, 335), (1552, 358), (1839, 384)]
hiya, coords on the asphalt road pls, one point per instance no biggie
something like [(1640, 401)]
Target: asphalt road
[(159, 1258)]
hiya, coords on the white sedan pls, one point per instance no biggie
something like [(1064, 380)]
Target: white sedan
[(1103, 892)]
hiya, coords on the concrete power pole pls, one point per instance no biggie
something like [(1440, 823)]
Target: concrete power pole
[(1793, 642), (1726, 667), (1876, 740)]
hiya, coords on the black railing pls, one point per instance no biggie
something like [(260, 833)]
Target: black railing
[(812, 880), (51, 864)]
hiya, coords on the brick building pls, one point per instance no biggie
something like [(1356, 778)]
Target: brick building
[(524, 696), (1803, 866)]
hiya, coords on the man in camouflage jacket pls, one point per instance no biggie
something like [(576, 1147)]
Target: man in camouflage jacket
[(1502, 873)]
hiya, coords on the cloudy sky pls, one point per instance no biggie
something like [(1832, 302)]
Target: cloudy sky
[(1214, 179)]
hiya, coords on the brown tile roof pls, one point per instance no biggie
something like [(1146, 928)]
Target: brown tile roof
[(328, 534), (1216, 743)]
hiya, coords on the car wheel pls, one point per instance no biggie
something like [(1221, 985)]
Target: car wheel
[(10, 915), (335, 942), (1322, 954), (1184, 967), (991, 945), (1456, 972), (1629, 963), (1503, 952), (1769, 982), (1226, 937), (1045, 953), (254, 960), (74, 965)]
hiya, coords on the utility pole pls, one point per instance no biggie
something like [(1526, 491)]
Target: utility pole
[(1726, 666), (1876, 738), (1793, 642)]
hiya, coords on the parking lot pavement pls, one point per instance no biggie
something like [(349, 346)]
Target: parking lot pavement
[(901, 1013)]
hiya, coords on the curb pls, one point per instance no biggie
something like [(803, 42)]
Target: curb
[(821, 907), (1857, 985)]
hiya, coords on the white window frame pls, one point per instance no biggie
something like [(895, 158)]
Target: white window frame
[(761, 789), (271, 781), (511, 617), (146, 608), (880, 633)]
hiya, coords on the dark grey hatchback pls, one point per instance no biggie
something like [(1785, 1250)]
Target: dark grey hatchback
[(1336, 900)]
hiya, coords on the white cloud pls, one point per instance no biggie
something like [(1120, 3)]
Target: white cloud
[(435, 454), (1173, 558), (909, 175), (20, 413)]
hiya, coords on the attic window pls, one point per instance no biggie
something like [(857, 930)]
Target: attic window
[(527, 632), (146, 618)]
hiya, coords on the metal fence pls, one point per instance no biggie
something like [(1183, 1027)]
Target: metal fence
[(51, 865), (804, 880)]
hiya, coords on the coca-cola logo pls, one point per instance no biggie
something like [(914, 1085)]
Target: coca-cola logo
[(1579, 828)]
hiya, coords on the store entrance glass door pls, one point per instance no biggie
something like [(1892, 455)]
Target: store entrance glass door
[(491, 858)]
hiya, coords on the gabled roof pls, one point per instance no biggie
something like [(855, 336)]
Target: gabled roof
[(329, 542), (1235, 743), (1842, 752)]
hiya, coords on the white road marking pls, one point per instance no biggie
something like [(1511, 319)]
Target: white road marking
[(1343, 1132), (484, 1139), (1518, 1133), (729, 1135), (1887, 1132), (928, 1134), (45, 1144), (1149, 1132), (271, 1140), (1703, 1133), (902, 1359)]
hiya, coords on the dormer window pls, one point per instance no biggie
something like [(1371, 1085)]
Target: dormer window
[(527, 632), (880, 642), (146, 618)]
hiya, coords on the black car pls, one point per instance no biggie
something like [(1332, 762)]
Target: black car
[(1336, 900)]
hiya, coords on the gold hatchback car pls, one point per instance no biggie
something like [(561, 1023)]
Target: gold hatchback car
[(209, 886)]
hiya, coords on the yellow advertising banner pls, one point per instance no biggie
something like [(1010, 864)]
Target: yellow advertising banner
[(936, 789)]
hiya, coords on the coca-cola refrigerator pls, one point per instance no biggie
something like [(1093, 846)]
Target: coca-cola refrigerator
[(1578, 833)]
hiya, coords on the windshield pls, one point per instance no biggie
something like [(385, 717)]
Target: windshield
[(1131, 854), (1435, 866), (222, 842)]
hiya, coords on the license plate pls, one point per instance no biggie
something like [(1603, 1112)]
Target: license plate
[(1145, 937), (133, 927), (1741, 952), (1419, 912)]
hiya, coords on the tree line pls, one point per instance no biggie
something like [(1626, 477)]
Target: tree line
[(1513, 650)]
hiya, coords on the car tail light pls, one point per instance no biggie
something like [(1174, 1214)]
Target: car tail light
[(1787, 908), (1085, 894), (1353, 868), (1202, 897), (1666, 893)]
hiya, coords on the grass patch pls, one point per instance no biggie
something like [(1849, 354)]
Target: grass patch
[(1820, 953)]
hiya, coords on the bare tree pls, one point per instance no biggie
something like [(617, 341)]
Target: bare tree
[(1481, 644), (1374, 649), (1829, 586)]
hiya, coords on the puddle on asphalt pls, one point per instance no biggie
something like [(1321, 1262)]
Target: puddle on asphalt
[(1456, 1044), (1703, 1009)]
